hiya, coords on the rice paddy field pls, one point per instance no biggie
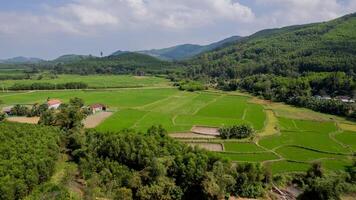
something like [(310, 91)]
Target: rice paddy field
[(93, 81), (288, 139)]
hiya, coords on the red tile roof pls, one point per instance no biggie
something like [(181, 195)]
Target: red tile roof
[(97, 105), (54, 102)]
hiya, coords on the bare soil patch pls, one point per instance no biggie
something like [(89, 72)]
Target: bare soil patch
[(212, 131), (208, 146), (26, 120), (190, 135), (93, 121)]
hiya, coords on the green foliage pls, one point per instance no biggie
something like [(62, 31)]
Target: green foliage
[(19, 110), (251, 180), (191, 86), (320, 186), (50, 191), (288, 51), (76, 102), (2, 116), (27, 157), (280, 57), (154, 166), (37, 110), (236, 131), (126, 63), (48, 86), (299, 91), (67, 117)]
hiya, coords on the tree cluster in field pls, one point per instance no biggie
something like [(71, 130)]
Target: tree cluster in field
[(35, 110), (27, 158), (127, 165), (236, 132), (49, 86), (302, 91), (191, 86), (67, 116)]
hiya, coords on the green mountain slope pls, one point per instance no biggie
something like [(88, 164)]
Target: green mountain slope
[(185, 51), (327, 46)]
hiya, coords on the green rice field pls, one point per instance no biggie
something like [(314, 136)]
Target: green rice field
[(141, 108), (93, 81), (295, 144)]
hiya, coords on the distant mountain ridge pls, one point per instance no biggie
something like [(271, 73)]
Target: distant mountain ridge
[(70, 58), (21, 60), (184, 51)]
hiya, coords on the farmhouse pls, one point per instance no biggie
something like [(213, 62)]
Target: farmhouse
[(345, 99), (97, 107), (54, 103)]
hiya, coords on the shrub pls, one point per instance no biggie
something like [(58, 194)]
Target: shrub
[(192, 86), (236, 131), (19, 110)]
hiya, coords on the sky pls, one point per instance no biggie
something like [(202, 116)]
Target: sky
[(48, 29)]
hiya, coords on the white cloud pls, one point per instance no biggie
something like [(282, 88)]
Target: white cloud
[(141, 24), (160, 13), (88, 16), (289, 12)]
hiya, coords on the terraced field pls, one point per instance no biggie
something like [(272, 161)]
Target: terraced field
[(288, 139)]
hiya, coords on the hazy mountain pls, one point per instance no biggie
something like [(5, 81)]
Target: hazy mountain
[(186, 51), (119, 52), (71, 58), (21, 60)]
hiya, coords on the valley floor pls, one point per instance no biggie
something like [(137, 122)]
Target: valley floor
[(288, 139)]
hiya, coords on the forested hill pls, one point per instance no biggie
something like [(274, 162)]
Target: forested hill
[(186, 51), (121, 64), (70, 58), (327, 46)]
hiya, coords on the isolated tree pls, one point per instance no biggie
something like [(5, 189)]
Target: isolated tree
[(76, 102)]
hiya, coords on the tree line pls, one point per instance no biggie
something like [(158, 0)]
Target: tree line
[(49, 86), (306, 91)]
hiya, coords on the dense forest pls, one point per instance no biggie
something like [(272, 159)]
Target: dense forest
[(155, 166), (290, 51), (27, 158), (125, 63)]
